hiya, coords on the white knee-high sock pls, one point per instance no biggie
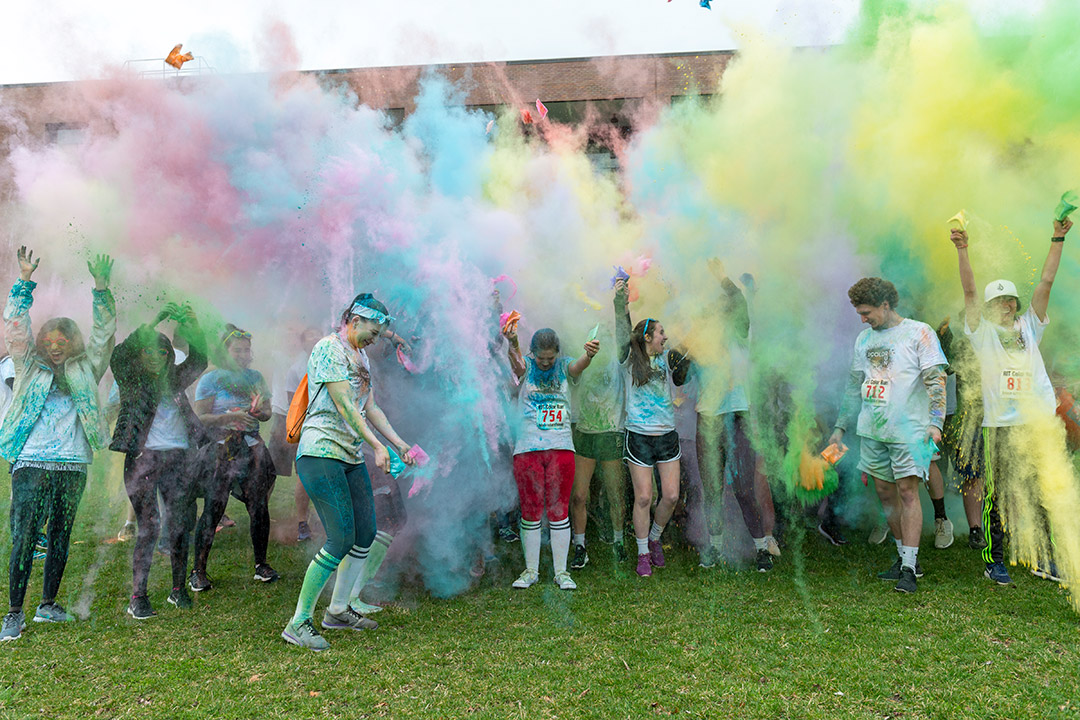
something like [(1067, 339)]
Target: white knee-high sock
[(560, 544), (375, 557), (530, 544), (350, 569)]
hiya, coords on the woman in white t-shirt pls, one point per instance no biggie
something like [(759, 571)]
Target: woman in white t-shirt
[(651, 438)]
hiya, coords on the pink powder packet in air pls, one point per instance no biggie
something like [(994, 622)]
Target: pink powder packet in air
[(417, 455), (405, 361)]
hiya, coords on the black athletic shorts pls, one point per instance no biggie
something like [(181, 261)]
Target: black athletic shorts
[(650, 450)]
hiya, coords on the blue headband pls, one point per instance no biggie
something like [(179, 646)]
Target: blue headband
[(371, 314)]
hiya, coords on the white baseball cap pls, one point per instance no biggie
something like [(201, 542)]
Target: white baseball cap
[(1000, 288)]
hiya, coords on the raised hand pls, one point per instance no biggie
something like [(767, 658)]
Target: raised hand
[(166, 312), (622, 292), (960, 238), (592, 347), (27, 263), (1061, 227), (101, 270), (185, 314)]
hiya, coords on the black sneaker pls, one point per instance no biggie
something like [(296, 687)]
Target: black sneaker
[(199, 582), (581, 558), (831, 532), (507, 534), (180, 598), (906, 583), (893, 573), (620, 552), (764, 561), (140, 609), (976, 538), (707, 557), (265, 573)]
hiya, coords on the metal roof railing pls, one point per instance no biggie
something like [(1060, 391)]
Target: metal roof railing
[(158, 68)]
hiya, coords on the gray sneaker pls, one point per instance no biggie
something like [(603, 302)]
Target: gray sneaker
[(349, 619), (304, 635), (51, 612), (14, 624)]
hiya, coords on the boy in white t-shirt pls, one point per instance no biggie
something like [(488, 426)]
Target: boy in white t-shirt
[(898, 384), (1015, 387)]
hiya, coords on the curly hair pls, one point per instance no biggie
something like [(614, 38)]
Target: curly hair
[(873, 291)]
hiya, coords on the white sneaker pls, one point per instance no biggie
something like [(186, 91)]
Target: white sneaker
[(526, 579), (772, 546), (878, 534), (565, 582), (943, 533)]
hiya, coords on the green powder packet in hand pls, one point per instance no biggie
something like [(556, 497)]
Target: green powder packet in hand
[(593, 333), (1066, 205)]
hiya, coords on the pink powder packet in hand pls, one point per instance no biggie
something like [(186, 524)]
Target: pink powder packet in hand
[(417, 455)]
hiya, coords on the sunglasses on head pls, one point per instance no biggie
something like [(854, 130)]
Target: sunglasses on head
[(238, 334)]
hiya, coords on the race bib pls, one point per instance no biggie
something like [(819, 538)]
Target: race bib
[(1015, 383), (552, 416), (876, 392)]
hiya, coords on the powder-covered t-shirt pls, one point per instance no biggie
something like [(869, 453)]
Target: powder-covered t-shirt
[(599, 399), (895, 406), (231, 389), (650, 408), (1015, 384), (722, 388), (58, 434), (543, 408), (167, 431), (325, 433)]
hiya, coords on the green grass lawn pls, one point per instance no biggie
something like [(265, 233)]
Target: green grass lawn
[(818, 637)]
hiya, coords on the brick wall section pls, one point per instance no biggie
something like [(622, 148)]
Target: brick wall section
[(27, 110)]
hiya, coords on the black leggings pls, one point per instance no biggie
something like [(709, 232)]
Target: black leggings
[(249, 473), (170, 472), (37, 495)]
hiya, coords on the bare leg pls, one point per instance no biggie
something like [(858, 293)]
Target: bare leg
[(579, 497)]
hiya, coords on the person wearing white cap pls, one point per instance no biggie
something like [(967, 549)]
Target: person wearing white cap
[(1015, 384)]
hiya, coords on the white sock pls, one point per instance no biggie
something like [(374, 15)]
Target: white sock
[(715, 541), (376, 555), (579, 539), (530, 544), (349, 569), (899, 548), (655, 532), (768, 538), (908, 556), (642, 546), (560, 544), (618, 537), (759, 543)]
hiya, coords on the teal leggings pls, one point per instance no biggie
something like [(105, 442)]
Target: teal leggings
[(341, 494)]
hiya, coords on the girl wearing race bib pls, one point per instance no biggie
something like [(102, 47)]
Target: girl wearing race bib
[(651, 439), (340, 416), (544, 447), (231, 401)]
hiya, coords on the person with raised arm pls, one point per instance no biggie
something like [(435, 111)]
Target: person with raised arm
[(1015, 388), (51, 430)]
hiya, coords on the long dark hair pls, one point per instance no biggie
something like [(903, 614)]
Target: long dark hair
[(69, 330), (641, 368)]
